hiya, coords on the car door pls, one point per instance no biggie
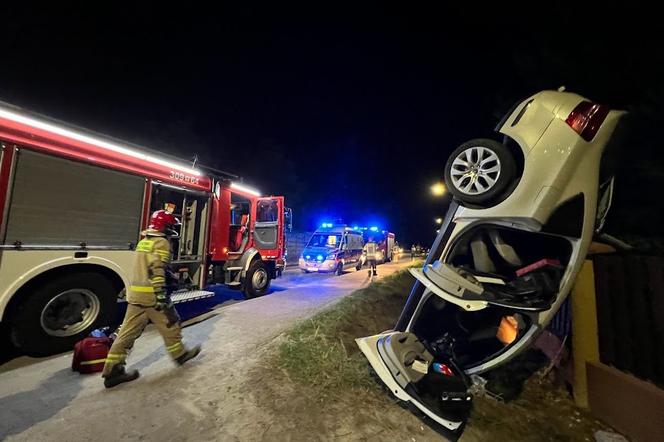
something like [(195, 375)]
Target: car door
[(427, 379), (269, 225), (434, 387)]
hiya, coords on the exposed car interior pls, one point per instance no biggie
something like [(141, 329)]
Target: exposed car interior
[(515, 268), (438, 385), (471, 337)]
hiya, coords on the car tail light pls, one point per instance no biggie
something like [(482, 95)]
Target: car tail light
[(586, 119)]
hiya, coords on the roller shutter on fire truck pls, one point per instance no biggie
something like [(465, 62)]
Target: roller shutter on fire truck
[(58, 202)]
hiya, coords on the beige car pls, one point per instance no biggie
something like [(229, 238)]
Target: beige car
[(524, 213)]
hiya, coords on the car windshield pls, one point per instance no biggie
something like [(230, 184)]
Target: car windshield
[(324, 240)]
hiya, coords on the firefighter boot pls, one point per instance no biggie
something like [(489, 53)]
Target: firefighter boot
[(118, 376), (189, 354)]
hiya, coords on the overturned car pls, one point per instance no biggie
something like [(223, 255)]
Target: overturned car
[(525, 211)]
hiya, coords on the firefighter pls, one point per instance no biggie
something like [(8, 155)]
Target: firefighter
[(147, 300), (370, 250)]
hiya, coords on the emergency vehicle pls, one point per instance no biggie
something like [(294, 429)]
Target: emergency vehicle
[(72, 206), (384, 241), (332, 248)]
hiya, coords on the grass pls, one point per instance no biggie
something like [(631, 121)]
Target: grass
[(321, 351), (328, 373)]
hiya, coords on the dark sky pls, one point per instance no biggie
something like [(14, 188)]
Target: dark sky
[(350, 112)]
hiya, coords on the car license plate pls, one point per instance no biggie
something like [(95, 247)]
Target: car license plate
[(313, 269)]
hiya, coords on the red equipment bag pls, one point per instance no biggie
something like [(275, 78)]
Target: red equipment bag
[(90, 354)]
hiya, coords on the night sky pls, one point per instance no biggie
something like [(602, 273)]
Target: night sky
[(349, 112)]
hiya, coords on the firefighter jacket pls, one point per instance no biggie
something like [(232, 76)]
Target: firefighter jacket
[(370, 250), (153, 254)]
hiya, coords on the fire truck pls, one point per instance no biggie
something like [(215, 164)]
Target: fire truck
[(72, 206), (384, 242)]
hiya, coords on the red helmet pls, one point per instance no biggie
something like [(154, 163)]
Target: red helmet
[(162, 221)]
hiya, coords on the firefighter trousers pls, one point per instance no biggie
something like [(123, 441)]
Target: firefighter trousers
[(135, 321)]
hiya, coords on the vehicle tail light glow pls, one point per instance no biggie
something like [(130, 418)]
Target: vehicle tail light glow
[(586, 119)]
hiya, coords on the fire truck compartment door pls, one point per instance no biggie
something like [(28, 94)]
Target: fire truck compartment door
[(269, 222), (58, 202)]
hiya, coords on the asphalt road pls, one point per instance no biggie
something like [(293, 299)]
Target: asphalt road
[(42, 399)]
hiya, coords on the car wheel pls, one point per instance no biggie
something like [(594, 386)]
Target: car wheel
[(257, 280), (61, 312), (480, 171)]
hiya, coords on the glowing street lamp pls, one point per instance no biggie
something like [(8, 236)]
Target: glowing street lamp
[(438, 189), (439, 220)]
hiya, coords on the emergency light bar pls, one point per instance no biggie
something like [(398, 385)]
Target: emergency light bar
[(245, 189), (22, 119)]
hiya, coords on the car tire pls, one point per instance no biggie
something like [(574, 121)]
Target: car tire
[(34, 328), (480, 172), (256, 280)]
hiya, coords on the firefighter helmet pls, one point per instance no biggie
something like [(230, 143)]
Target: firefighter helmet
[(163, 221)]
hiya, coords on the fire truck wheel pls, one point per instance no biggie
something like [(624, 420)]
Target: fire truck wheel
[(257, 280), (63, 311)]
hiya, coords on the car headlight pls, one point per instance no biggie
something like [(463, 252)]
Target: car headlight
[(331, 256)]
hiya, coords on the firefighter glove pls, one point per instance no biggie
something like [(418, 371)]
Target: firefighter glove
[(162, 302)]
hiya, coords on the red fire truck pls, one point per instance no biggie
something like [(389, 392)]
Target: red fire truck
[(72, 206), (384, 240)]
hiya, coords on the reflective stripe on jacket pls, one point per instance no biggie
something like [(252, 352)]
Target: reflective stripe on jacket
[(370, 249), (153, 253)]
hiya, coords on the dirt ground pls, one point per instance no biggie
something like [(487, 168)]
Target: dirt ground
[(239, 390), (211, 398), (338, 399)]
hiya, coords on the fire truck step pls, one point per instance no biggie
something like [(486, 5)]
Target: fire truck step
[(233, 283), (234, 268), (192, 295)]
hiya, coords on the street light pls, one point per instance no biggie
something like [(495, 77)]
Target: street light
[(439, 220), (438, 189)]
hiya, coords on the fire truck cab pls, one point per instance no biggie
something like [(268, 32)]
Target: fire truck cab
[(72, 206)]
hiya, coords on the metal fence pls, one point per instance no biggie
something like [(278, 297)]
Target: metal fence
[(630, 313)]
